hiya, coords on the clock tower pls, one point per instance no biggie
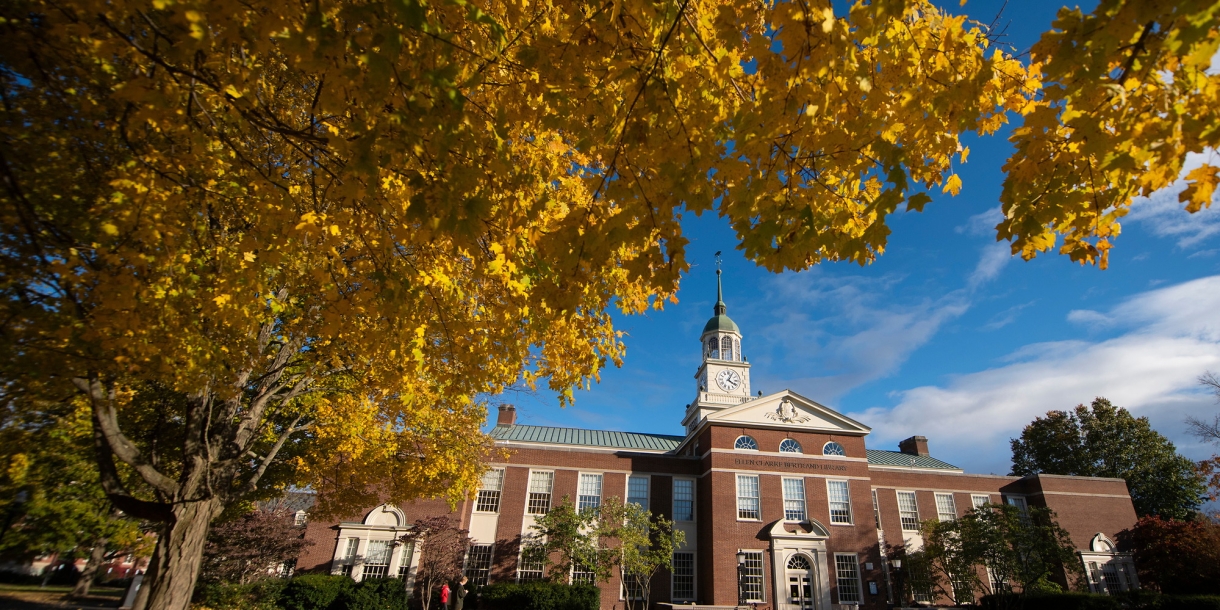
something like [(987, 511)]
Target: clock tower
[(723, 378)]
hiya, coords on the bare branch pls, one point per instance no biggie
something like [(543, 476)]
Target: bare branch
[(105, 421)]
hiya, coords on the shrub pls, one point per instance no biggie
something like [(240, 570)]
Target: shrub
[(1051, 601), (373, 594), (313, 591), (262, 595), (539, 596), (1188, 602)]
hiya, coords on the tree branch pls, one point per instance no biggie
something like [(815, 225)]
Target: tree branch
[(105, 422)]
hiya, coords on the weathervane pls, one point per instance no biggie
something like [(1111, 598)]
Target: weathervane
[(718, 260)]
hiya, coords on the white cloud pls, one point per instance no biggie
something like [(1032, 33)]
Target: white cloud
[(982, 224), (1088, 317), (992, 262), (1172, 335), (1167, 217)]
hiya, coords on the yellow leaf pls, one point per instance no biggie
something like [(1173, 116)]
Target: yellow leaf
[(109, 229), (953, 185)]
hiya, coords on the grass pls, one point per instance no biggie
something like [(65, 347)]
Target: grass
[(62, 589)]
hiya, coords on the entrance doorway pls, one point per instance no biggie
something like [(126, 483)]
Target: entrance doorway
[(800, 582)]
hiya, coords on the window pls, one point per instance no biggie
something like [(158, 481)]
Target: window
[(747, 497), (833, 448), (752, 577), (539, 502), (582, 574), (794, 499), (726, 348), (377, 559), (348, 556), (478, 564), (350, 552), (876, 510), (745, 443), (847, 572), (1018, 502), (346, 570), (489, 492), (404, 564), (840, 501), (684, 500), (946, 509), (977, 501), (908, 511), (684, 576), (789, 446), (533, 560), (590, 496), (632, 588), (637, 492), (299, 518)]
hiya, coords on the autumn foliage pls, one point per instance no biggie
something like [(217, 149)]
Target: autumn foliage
[(1175, 556), (281, 244)]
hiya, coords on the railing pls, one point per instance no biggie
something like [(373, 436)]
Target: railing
[(723, 399)]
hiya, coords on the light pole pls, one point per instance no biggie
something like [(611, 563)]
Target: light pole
[(897, 563), (741, 571)]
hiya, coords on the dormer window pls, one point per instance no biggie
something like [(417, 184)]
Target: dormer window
[(745, 443)]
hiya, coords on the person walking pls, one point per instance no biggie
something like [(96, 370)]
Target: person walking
[(445, 596), (460, 595)]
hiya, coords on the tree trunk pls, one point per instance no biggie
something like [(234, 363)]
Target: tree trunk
[(90, 572), (175, 565)]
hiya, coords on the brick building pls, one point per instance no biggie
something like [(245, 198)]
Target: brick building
[(781, 501)]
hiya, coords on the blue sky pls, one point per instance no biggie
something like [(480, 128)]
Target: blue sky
[(945, 335)]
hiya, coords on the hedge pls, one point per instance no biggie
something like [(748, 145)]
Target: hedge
[(262, 595), (314, 591), (373, 594), (1136, 600), (539, 596)]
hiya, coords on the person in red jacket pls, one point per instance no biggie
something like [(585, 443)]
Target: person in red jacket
[(445, 595)]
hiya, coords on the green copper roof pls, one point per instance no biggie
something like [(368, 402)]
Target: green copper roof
[(721, 323), (880, 457), (587, 438), (720, 319)]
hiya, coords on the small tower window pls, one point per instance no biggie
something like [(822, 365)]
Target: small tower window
[(726, 348), (789, 446), (833, 448), (746, 443), (713, 348)]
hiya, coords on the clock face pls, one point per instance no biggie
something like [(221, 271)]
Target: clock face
[(728, 380)]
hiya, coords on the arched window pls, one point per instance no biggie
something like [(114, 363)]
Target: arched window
[(713, 348), (726, 348), (798, 562), (746, 443), (736, 349), (789, 446), (833, 448)]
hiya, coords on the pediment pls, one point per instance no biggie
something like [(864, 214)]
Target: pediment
[(787, 409)]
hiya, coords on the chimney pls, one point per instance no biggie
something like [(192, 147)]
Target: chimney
[(916, 445), (508, 415)]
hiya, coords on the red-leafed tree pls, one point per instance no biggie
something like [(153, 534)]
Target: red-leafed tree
[(442, 547), (252, 546), (1175, 556)]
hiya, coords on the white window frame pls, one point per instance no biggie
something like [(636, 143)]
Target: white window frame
[(581, 505), (830, 503), (940, 510), (1019, 502), (757, 498), (489, 495), (752, 440), (404, 562), (836, 444), (901, 513), (794, 504), (876, 510), (647, 489), (974, 500), (468, 568), (855, 575), (674, 490), (673, 596), (762, 576), (384, 559), (529, 491), (799, 448)]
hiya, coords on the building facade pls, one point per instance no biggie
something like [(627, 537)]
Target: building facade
[(781, 501)]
